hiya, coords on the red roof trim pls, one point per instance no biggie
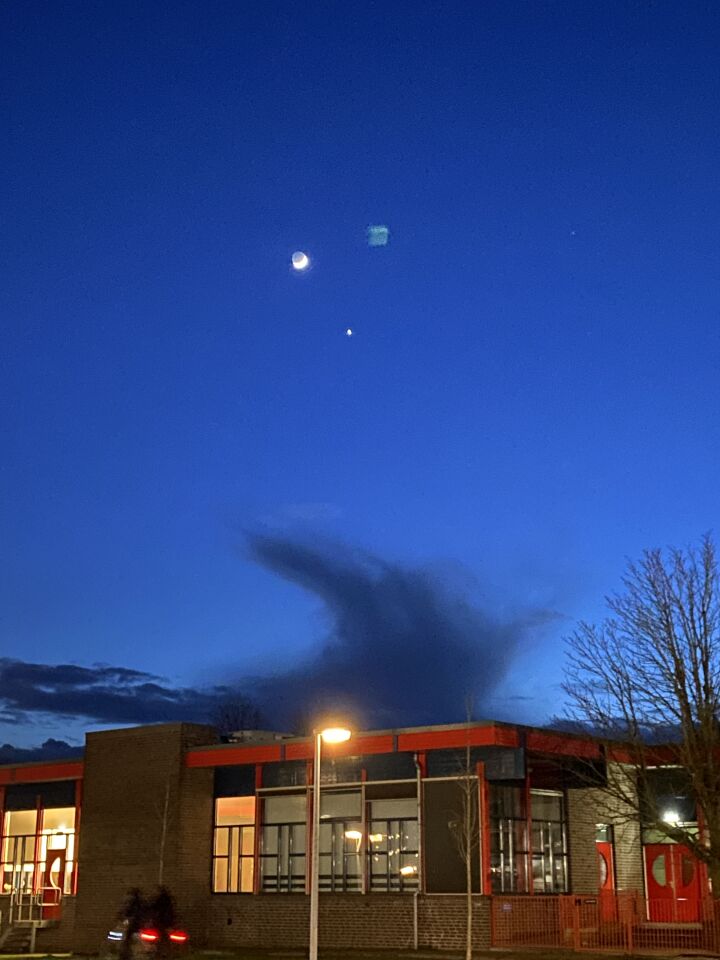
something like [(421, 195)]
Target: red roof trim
[(361, 745), (37, 773), (356, 746), (231, 755), (548, 742), (460, 737)]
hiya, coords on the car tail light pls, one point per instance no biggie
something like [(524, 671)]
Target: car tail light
[(149, 936), (178, 936)]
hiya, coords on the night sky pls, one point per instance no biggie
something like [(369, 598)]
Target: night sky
[(205, 484)]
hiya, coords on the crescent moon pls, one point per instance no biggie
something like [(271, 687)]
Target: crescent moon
[(300, 260)]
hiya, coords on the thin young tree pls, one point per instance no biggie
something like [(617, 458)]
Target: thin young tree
[(649, 676), (465, 829)]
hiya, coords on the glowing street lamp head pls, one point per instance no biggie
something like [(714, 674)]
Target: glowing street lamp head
[(300, 261), (335, 734)]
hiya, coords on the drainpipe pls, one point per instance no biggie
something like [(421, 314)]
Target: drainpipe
[(418, 771)]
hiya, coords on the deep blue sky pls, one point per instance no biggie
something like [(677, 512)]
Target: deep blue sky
[(531, 392)]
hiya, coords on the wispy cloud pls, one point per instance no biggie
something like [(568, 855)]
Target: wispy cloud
[(103, 693)]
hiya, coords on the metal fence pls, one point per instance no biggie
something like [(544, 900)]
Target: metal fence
[(617, 922)]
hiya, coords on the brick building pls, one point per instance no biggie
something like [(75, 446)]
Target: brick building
[(226, 827)]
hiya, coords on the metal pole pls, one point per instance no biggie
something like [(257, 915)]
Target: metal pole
[(315, 853)]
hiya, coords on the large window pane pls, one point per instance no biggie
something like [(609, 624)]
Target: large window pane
[(288, 809), (341, 837), (345, 805), (394, 809), (282, 847), (234, 810), (549, 842), (41, 862), (58, 819), (508, 839), (234, 845), (393, 845), (20, 822)]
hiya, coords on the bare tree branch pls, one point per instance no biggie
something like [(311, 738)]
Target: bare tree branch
[(649, 677)]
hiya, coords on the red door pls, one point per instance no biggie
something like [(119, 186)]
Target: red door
[(674, 883), (606, 879), (52, 884)]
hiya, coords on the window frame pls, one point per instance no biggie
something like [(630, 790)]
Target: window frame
[(395, 881), (547, 857), (285, 833)]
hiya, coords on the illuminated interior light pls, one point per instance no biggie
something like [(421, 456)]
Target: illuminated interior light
[(353, 835), (408, 871), (375, 838), (672, 817)]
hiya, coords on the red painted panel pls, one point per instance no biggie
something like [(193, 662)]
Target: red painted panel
[(232, 755), (459, 737), (548, 742), (355, 746), (38, 772), (606, 881)]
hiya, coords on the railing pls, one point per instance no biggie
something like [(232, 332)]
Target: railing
[(25, 907), (618, 922)]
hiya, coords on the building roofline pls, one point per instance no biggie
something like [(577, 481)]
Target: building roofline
[(39, 771)]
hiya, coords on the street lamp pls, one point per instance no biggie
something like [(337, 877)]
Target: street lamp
[(328, 735)]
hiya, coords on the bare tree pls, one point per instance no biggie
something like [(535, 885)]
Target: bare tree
[(163, 832), (465, 828), (240, 713), (649, 678)]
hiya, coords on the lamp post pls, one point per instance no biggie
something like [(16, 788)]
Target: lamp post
[(328, 735)]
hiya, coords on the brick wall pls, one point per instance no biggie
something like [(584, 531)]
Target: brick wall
[(347, 921), (442, 922), (128, 775), (589, 806), (60, 938), (191, 884), (582, 819)]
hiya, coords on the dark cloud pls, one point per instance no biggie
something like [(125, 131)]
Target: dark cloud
[(402, 647), (50, 750), (102, 693)]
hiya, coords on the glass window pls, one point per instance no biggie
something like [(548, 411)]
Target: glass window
[(341, 841), (549, 843), (393, 846), (287, 809), (20, 822), (234, 810), (282, 847), (658, 870), (38, 852), (546, 806), (335, 805), (508, 839), (234, 845)]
